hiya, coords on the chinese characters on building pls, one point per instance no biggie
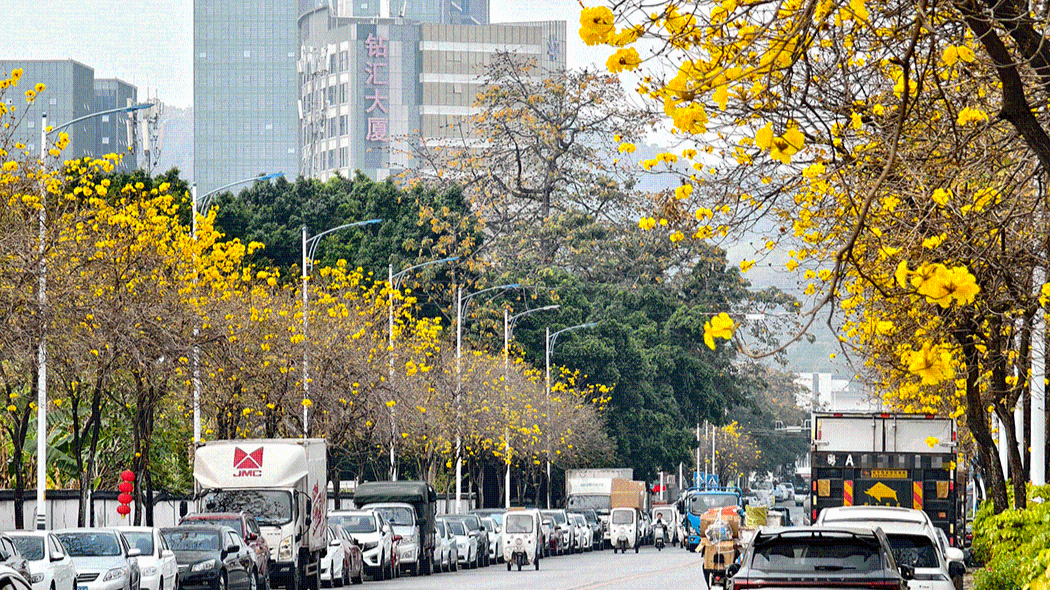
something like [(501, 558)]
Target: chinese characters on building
[(376, 88)]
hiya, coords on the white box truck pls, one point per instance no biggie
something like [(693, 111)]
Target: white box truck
[(283, 484), (591, 489)]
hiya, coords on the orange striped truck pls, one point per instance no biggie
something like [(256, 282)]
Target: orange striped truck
[(885, 459)]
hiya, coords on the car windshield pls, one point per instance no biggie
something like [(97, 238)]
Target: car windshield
[(762, 485), (90, 544), (816, 554), (358, 523), (141, 540), (457, 528), (519, 523), (558, 517), (914, 550), (233, 523), (188, 540), (590, 516), (269, 507), (622, 517), (701, 503), (31, 548), (397, 515)]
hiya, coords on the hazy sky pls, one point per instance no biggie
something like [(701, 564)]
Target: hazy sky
[(149, 43)]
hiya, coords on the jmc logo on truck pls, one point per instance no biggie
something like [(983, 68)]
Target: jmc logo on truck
[(247, 464)]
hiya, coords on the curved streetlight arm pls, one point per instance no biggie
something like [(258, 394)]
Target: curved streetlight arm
[(514, 318), (554, 336), (397, 278), (202, 202), (469, 296), (311, 243), (137, 107)]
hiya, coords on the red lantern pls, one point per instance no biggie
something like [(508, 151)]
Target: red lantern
[(126, 486), (123, 510), (128, 475), (124, 498)]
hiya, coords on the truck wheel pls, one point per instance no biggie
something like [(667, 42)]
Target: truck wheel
[(636, 548), (508, 566)]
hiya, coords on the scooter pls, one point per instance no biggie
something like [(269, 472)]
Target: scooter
[(659, 531)]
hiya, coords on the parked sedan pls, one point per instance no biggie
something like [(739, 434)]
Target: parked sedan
[(157, 562), (373, 535), (49, 566), (342, 565), (12, 579), (495, 532), (11, 556), (476, 528), (466, 544), (446, 556), (246, 526), (818, 557), (211, 558), (583, 532), (103, 559)]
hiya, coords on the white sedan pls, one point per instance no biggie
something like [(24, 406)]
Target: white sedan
[(160, 571), (49, 565)]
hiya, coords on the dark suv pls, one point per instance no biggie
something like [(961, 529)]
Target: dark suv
[(248, 529), (820, 557)]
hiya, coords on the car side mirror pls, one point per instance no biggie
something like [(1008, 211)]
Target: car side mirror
[(732, 570), (134, 552), (250, 536), (482, 529), (956, 569), (907, 571), (230, 549), (167, 553), (58, 556), (954, 554), (397, 538)]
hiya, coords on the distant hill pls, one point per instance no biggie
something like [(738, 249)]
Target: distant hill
[(176, 141)]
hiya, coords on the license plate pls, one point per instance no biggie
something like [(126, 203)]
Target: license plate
[(82, 588)]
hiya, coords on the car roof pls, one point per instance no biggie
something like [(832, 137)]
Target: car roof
[(906, 528), (215, 515), (28, 533), (361, 512), (872, 513), (109, 530), (858, 530), (136, 529), (199, 527)]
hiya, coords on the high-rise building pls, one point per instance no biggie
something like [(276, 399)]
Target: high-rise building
[(72, 92), (244, 90), (369, 85), (112, 132)]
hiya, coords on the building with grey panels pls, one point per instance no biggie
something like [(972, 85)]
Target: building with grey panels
[(112, 131), (246, 120), (369, 85), (70, 94)]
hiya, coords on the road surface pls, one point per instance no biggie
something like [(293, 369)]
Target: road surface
[(602, 570)]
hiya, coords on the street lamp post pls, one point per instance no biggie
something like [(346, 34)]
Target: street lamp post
[(508, 328), (309, 249), (461, 308), (550, 341), (196, 205), (41, 399), (394, 284)]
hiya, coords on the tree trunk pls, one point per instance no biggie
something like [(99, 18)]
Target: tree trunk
[(977, 421)]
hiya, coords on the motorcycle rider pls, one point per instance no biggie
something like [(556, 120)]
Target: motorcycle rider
[(661, 526)]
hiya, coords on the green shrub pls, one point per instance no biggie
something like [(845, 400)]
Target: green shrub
[(1002, 574), (1014, 545)]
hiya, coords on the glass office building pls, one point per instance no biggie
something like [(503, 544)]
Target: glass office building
[(112, 131), (246, 120), (70, 94)]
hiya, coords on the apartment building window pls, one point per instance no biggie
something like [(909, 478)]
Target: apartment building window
[(344, 61), (331, 127), (344, 157), (331, 95), (331, 159), (342, 125), (331, 63), (342, 93), (105, 141)]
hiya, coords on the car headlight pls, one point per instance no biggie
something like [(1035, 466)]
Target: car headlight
[(204, 566), (115, 574), (36, 578), (284, 550), (149, 571)]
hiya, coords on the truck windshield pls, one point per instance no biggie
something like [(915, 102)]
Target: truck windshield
[(269, 507), (582, 502), (518, 523), (398, 516), (701, 503)]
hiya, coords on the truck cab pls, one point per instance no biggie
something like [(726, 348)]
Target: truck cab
[(282, 484), (410, 507), (695, 503)]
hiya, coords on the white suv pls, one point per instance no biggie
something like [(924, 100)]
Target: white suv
[(914, 539)]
